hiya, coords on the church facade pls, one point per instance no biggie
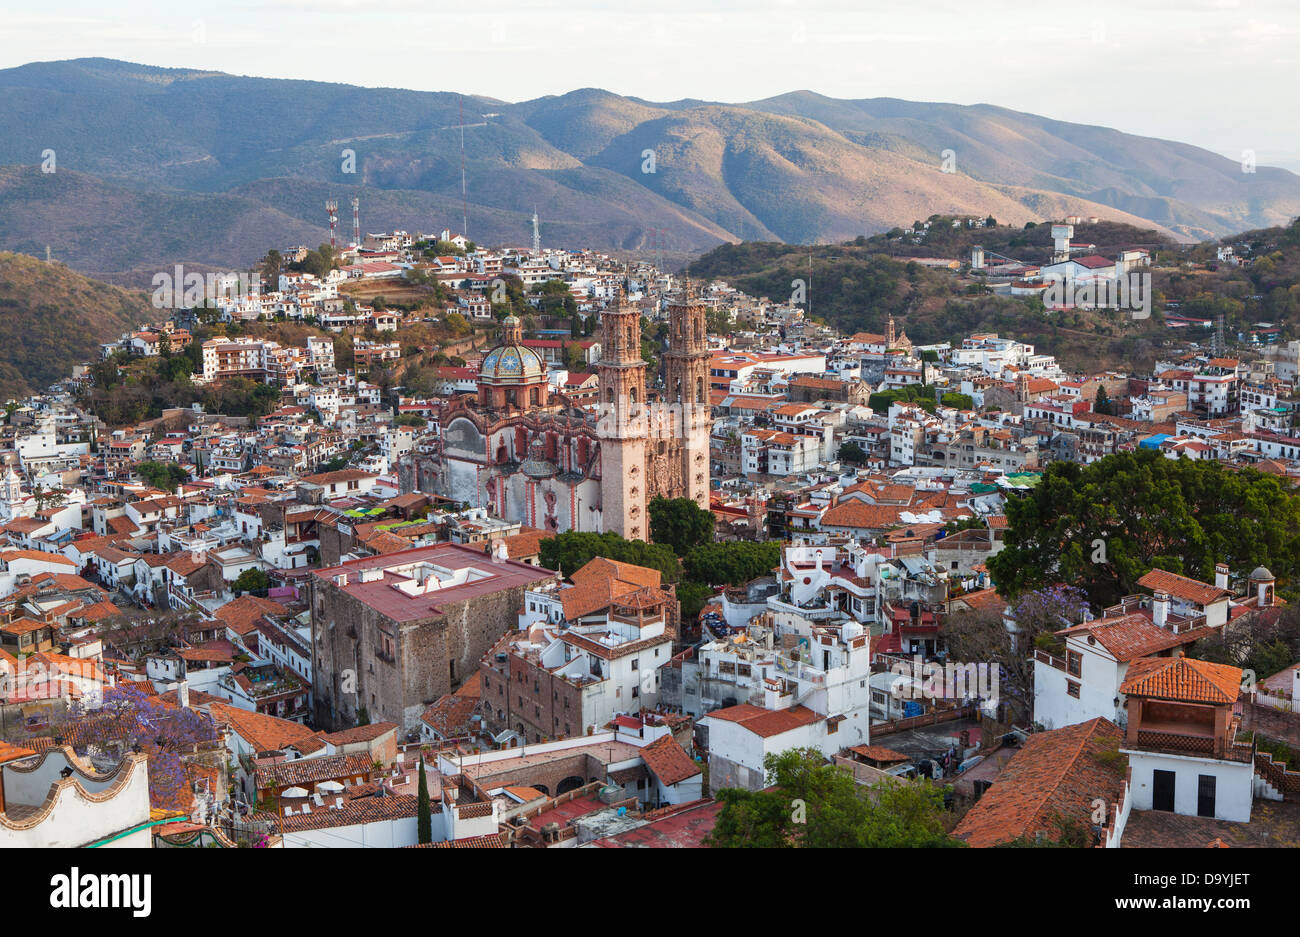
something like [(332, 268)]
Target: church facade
[(529, 455)]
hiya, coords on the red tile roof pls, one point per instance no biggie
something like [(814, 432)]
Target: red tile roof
[(1182, 679), (668, 761), (766, 723), (1180, 587), (1130, 636), (1058, 775)]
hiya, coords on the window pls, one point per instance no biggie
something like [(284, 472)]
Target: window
[(1074, 663), (1072, 689), (634, 664)]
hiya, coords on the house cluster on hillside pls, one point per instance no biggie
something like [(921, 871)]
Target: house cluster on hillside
[(342, 601)]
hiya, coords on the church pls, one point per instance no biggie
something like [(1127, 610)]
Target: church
[(528, 454)]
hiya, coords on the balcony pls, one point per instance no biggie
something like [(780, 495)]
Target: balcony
[(1175, 743), (1046, 658)]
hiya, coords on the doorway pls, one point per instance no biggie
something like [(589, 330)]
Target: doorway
[(1162, 790)]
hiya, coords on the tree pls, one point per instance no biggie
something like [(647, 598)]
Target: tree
[(1265, 643), (680, 523), (692, 597), (164, 476), (851, 452), (983, 635), (570, 551), (252, 580), (1103, 403), (811, 804), (1103, 526), (165, 734), (733, 563), (424, 819)]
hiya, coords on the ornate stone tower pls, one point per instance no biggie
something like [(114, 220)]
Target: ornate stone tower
[(623, 424), (686, 387)]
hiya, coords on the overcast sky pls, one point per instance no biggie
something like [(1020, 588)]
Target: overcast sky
[(1218, 73)]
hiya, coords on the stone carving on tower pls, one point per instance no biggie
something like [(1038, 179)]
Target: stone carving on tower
[(621, 372), (686, 382)]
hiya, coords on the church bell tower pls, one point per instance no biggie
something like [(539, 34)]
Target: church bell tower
[(623, 422), (686, 383)]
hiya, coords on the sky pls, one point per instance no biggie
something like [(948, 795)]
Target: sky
[(1221, 74)]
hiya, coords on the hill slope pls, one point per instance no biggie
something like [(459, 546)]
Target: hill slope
[(217, 168), (52, 318)]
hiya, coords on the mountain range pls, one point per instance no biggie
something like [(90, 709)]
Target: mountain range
[(154, 166)]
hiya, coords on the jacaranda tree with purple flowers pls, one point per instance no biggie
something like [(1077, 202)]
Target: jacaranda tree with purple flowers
[(165, 733)]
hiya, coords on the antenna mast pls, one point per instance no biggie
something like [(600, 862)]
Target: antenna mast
[(332, 207)]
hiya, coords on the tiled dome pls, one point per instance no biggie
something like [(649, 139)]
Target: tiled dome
[(512, 364)]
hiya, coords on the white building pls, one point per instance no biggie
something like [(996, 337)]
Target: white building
[(57, 800)]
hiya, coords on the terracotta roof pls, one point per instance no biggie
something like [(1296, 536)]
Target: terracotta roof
[(858, 515), (1058, 774), (1130, 636), (526, 543), (600, 582), (449, 716), (366, 733), (489, 841), (1182, 679), (605, 568), (878, 753), (354, 812), (312, 770), (668, 761), (1180, 587), (243, 613), (387, 542), (263, 733), (766, 722), (984, 598)]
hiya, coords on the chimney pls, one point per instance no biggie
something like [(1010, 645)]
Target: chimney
[(1221, 576), (1160, 609), (183, 694)]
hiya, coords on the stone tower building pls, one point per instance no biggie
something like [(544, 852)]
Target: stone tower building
[(623, 422), (686, 388), (528, 453)]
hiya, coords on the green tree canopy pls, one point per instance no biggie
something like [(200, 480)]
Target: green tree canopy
[(811, 804), (851, 452), (680, 523), (1103, 526), (162, 475), (570, 551), (251, 580), (734, 563)]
